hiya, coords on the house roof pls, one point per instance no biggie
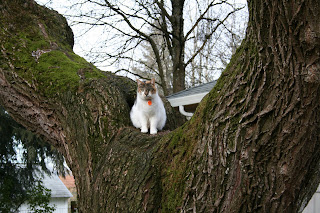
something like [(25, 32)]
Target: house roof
[(58, 189), (192, 95), (68, 181)]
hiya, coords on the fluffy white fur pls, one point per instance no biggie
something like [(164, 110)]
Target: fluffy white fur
[(144, 116)]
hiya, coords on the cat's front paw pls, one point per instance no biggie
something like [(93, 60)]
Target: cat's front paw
[(144, 130), (153, 131)]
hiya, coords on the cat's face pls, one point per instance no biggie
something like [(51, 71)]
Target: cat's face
[(147, 89)]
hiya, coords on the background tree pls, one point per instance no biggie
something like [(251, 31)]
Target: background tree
[(39, 198), (20, 181), (147, 68), (132, 25), (212, 58), (252, 145), (216, 54)]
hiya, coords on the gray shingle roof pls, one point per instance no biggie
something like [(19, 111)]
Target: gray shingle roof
[(190, 96), (58, 189), (194, 90)]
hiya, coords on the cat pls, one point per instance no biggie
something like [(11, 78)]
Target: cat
[(148, 110)]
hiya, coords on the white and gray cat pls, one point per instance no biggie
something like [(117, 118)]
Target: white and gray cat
[(148, 110)]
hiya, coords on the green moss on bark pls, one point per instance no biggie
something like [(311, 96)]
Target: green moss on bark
[(40, 47), (174, 156), (179, 146)]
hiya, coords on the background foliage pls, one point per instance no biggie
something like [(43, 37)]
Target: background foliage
[(23, 156)]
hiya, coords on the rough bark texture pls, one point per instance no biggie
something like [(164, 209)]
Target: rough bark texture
[(178, 43), (252, 145), (259, 150)]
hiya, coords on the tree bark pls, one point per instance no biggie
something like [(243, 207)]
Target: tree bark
[(178, 46), (252, 145)]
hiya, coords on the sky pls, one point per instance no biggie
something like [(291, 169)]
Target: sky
[(83, 42), (93, 40)]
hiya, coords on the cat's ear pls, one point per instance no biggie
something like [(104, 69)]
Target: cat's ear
[(153, 81), (139, 82)]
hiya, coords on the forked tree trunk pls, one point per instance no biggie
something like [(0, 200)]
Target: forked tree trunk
[(252, 145)]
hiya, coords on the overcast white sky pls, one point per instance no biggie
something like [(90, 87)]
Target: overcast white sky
[(85, 42)]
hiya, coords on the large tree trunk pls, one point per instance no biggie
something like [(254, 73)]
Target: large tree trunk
[(252, 145)]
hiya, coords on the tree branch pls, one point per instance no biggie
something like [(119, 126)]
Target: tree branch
[(148, 38), (252, 144), (207, 37), (198, 20)]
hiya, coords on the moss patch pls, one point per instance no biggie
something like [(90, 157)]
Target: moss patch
[(53, 71), (40, 47), (177, 147), (58, 71)]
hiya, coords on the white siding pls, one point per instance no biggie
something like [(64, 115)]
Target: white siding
[(314, 204), (187, 100), (61, 205)]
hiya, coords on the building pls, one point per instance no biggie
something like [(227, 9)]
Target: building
[(314, 204), (187, 100), (69, 182), (59, 195)]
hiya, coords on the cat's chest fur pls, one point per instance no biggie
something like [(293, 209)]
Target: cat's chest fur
[(149, 109)]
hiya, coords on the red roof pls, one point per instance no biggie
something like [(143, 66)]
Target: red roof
[(68, 181)]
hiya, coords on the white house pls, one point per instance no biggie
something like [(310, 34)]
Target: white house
[(59, 195), (314, 204), (187, 100)]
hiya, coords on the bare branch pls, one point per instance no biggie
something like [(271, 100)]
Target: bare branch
[(164, 27), (163, 10), (148, 38), (133, 73), (208, 36), (198, 20)]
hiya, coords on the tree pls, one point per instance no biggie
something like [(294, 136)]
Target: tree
[(139, 23), (208, 63), (20, 180), (252, 145), (216, 54), (39, 198), (146, 68)]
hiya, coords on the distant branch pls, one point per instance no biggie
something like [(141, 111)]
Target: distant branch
[(208, 36), (198, 20), (144, 35), (163, 10)]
